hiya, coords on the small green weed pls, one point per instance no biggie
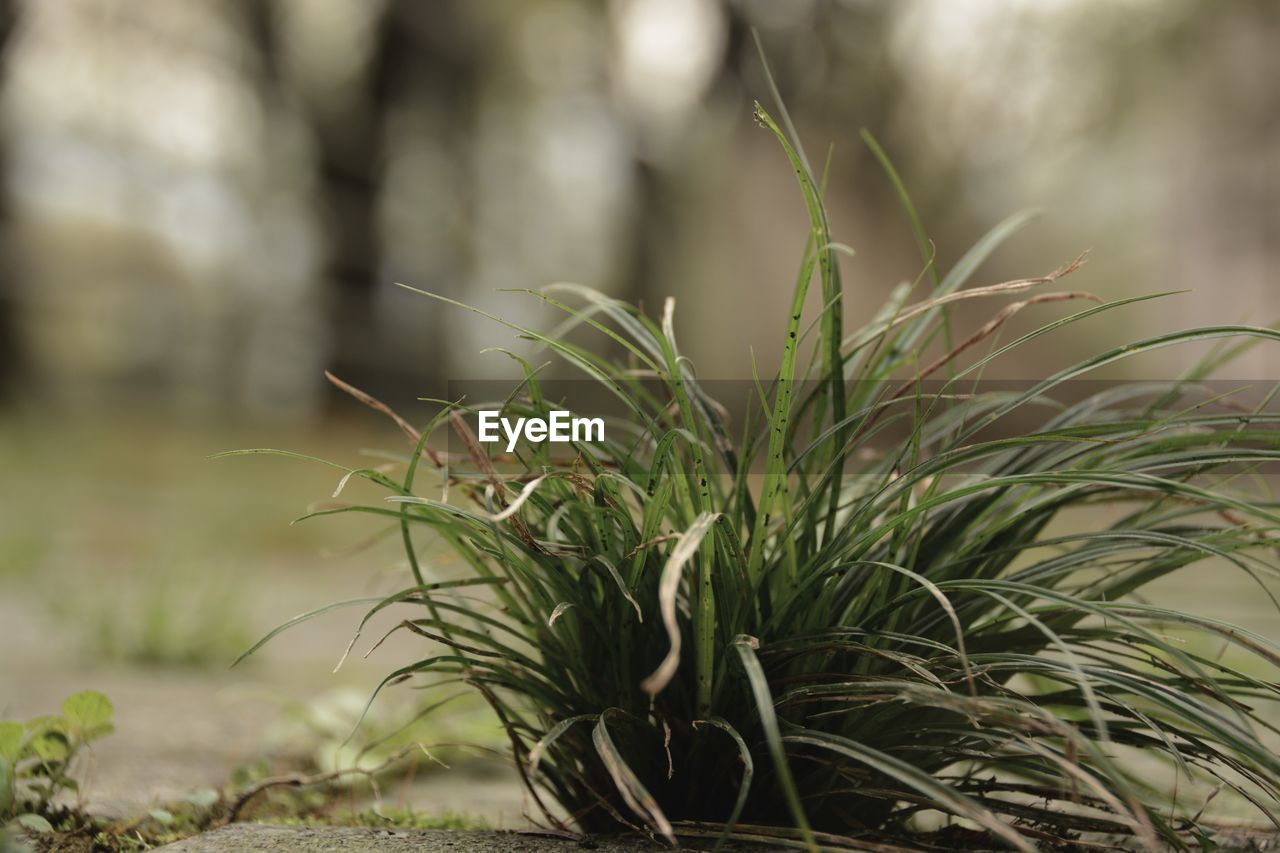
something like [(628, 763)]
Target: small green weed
[(155, 621), (321, 729), (71, 828), (37, 756)]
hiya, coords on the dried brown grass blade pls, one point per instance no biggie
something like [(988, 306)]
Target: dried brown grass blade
[(414, 435)]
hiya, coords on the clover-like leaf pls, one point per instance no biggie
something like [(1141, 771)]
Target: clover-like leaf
[(89, 714), (49, 745), (11, 740), (33, 823), (37, 726), (202, 797)]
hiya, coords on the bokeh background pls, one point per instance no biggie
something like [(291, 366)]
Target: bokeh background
[(206, 203)]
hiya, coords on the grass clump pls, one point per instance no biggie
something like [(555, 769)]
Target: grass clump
[(863, 605), (197, 623)]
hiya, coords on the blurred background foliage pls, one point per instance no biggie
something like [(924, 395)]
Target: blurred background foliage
[(205, 203), (208, 202)]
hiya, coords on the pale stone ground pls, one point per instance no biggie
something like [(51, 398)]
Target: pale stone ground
[(323, 840), (179, 730)]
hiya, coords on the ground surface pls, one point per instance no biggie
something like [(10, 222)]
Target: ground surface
[(314, 840), (131, 564), (138, 567)]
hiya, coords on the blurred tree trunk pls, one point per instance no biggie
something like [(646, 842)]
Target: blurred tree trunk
[(10, 349), (655, 205), (427, 61), (854, 71), (420, 51), (348, 146)]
